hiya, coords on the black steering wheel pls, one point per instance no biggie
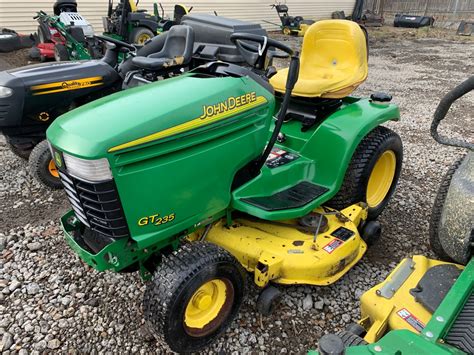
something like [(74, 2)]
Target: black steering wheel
[(119, 44), (256, 56)]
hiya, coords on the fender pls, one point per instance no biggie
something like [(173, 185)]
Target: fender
[(343, 131)]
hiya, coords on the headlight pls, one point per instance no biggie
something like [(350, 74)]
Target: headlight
[(5, 92), (89, 170)]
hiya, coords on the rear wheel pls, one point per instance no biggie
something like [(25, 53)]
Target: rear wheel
[(437, 211), (42, 36), (140, 35), (22, 151), (373, 172), (286, 31), (60, 53), (194, 295), (42, 167)]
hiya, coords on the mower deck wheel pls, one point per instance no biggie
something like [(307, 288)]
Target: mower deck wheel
[(268, 300), (140, 35), (356, 329), (351, 339), (42, 167), (437, 211), (60, 53), (371, 232), (373, 172), (194, 295)]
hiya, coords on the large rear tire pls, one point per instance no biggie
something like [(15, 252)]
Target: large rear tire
[(373, 172), (194, 295), (42, 167), (437, 211), (140, 35)]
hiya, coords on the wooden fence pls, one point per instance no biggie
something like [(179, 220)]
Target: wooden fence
[(446, 12)]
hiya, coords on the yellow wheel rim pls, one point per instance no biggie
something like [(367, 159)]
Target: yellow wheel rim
[(381, 178), (143, 38), (52, 169), (286, 31), (208, 307)]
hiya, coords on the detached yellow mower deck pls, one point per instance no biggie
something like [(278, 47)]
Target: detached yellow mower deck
[(393, 303)]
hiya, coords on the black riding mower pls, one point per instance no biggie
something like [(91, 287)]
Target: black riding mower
[(32, 97)]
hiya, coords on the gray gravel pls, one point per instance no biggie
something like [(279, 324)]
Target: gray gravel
[(51, 301)]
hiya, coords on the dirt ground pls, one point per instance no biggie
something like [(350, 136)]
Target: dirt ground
[(417, 67)]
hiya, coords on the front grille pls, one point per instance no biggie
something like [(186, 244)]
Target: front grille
[(461, 334), (97, 205)]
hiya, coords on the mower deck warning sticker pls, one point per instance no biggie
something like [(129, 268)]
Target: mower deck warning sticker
[(332, 245), (411, 319), (279, 157)]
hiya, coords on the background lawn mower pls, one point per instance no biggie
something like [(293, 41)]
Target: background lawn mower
[(66, 36), (128, 23), (32, 97), (291, 25), (292, 200), (426, 306)]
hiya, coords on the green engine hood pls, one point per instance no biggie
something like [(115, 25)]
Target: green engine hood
[(96, 128)]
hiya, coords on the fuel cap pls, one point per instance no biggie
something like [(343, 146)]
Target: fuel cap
[(381, 98)]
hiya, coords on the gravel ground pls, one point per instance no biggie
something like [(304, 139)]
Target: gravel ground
[(49, 300)]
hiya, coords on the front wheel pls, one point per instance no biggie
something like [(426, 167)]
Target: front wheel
[(194, 295), (60, 53), (373, 172), (42, 166)]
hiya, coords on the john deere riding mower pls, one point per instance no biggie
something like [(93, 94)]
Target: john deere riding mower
[(426, 306), (208, 184), (128, 23)]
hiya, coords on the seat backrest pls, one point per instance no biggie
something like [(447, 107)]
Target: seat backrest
[(179, 43), (133, 5), (334, 44), (179, 12)]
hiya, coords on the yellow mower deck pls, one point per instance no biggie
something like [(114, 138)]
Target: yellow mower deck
[(390, 306), (285, 255)]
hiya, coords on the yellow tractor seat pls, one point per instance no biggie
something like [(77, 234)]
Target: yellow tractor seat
[(333, 61)]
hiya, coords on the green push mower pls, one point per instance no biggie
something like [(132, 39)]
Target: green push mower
[(209, 184), (426, 306), (291, 25)]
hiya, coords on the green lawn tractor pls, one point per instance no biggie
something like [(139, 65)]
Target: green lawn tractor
[(128, 23), (426, 306), (209, 184)]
